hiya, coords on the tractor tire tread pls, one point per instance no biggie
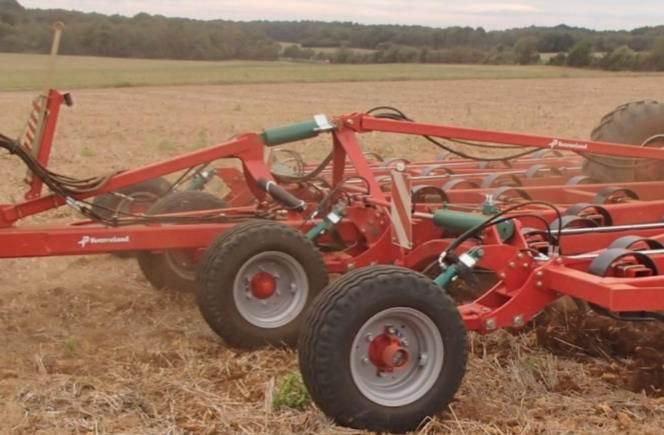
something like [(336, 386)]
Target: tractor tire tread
[(319, 345), (217, 307)]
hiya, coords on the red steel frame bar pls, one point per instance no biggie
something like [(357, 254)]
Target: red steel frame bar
[(249, 149), (54, 101), (520, 296)]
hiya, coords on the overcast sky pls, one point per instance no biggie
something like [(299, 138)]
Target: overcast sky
[(596, 14)]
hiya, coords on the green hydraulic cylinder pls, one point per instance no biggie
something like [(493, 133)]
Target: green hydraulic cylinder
[(296, 132), (468, 259), (330, 221), (458, 222)]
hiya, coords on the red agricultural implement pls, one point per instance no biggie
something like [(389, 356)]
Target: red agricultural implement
[(520, 220), (385, 347)]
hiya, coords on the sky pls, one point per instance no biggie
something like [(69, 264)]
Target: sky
[(595, 14)]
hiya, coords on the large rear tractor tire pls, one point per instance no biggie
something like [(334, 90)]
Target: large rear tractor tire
[(382, 349), (257, 282), (176, 268), (641, 124)]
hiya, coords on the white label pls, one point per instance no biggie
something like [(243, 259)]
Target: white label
[(89, 240)]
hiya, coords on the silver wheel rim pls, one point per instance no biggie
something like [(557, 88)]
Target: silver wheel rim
[(420, 338), (289, 298)]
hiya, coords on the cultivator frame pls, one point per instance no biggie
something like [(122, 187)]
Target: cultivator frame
[(393, 223), (367, 211), (26, 241)]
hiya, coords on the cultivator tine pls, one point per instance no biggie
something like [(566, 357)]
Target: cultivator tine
[(614, 194), (580, 179), (539, 170)]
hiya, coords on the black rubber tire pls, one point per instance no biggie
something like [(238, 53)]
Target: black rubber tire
[(221, 263), (108, 205), (631, 123), (156, 187), (157, 268), (335, 319)]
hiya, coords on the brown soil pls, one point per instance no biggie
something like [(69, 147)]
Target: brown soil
[(625, 353), (88, 346)]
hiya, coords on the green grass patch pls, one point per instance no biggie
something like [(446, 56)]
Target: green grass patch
[(29, 72), (291, 393)]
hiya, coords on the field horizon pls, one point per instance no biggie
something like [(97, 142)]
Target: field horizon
[(20, 72)]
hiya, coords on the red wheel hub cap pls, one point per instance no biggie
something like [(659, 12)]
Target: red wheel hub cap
[(387, 353), (263, 285)]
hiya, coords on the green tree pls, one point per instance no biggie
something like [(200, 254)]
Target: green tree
[(622, 58), (581, 54), (655, 59), (525, 51)]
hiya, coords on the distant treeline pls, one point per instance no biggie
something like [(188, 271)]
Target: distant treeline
[(152, 36)]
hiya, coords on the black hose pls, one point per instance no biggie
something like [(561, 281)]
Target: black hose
[(398, 115), (498, 218)]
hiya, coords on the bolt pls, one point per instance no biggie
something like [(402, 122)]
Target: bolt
[(369, 337), (490, 324), (539, 274), (293, 288), (512, 264), (518, 321), (404, 342), (351, 266), (539, 284), (525, 265), (519, 255), (264, 302), (278, 292), (502, 275), (365, 360), (423, 359), (391, 330), (559, 260)]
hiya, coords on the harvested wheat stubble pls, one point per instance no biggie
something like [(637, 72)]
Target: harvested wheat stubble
[(89, 346)]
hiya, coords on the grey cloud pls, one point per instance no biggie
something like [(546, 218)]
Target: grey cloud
[(492, 14)]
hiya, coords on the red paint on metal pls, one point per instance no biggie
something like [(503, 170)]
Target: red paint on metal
[(263, 285), (387, 353)]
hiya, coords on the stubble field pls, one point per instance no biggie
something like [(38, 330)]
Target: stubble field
[(89, 347)]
